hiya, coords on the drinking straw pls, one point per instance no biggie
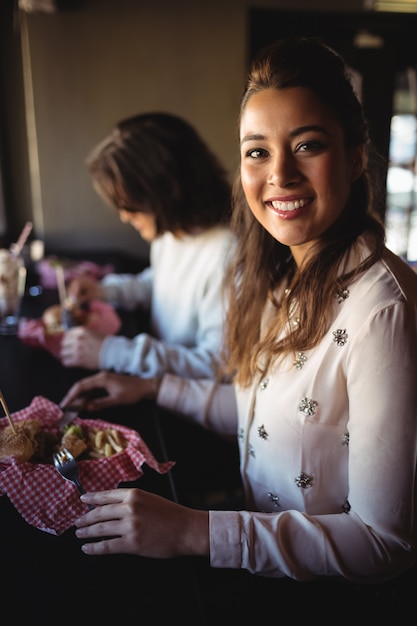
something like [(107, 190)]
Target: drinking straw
[(60, 279), (16, 248), (6, 410)]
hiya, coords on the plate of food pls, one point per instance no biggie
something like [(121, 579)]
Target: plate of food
[(46, 332), (107, 454)]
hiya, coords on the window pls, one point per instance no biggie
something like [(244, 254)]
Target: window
[(401, 207)]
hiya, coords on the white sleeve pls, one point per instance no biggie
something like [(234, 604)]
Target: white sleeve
[(186, 314), (149, 357), (375, 539), (129, 291), (205, 402)]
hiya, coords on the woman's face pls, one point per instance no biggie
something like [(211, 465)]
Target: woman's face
[(295, 170), (144, 223)]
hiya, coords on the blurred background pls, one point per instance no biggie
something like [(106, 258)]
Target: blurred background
[(70, 69)]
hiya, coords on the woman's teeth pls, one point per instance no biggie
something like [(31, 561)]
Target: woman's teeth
[(288, 206)]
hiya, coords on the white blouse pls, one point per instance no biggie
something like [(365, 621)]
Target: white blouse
[(182, 291), (328, 443)]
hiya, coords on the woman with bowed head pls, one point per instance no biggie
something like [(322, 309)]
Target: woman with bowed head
[(322, 343), (161, 177)]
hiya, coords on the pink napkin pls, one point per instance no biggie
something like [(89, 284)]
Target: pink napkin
[(72, 269), (49, 502)]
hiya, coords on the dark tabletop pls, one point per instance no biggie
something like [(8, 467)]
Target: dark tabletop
[(48, 580), (45, 575)]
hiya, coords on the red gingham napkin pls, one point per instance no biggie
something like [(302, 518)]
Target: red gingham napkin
[(104, 319), (47, 501)]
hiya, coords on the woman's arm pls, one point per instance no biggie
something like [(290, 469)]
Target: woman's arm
[(373, 538), (120, 389), (205, 402), (129, 291)]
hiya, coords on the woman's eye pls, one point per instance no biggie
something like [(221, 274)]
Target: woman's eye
[(310, 146), (256, 153)]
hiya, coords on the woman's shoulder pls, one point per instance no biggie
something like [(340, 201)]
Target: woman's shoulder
[(388, 280), (216, 237), (203, 248), (220, 232), (403, 275)]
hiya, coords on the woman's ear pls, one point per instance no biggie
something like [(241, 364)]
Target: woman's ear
[(357, 161)]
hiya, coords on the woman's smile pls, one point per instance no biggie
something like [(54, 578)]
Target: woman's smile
[(288, 209)]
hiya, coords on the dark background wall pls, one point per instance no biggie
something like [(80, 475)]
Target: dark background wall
[(67, 77), (378, 66)]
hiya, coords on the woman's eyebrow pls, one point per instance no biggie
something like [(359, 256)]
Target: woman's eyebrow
[(254, 137), (309, 128), (294, 133)]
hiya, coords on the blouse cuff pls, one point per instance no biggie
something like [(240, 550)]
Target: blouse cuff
[(225, 539)]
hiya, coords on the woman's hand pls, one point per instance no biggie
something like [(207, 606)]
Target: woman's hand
[(85, 288), (132, 521), (81, 347), (121, 389)]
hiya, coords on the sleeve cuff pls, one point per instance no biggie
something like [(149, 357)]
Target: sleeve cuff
[(225, 539)]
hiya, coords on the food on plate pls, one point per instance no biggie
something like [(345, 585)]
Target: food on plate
[(30, 442), (74, 440), (57, 317), (95, 442), (48, 330), (20, 440), (52, 319)]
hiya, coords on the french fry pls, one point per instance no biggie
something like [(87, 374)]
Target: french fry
[(95, 455), (104, 443), (99, 439), (108, 450), (118, 437), (113, 442)]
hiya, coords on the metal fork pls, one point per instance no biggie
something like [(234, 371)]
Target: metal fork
[(67, 467)]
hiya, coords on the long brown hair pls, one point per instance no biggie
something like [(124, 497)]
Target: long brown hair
[(157, 163), (261, 262)]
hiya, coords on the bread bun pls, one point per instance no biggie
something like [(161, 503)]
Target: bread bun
[(20, 442), (52, 319)]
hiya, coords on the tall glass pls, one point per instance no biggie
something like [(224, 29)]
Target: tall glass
[(12, 289)]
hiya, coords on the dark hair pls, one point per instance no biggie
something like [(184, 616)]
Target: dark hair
[(157, 163), (308, 62), (261, 261)]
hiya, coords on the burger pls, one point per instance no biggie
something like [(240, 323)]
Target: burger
[(20, 440)]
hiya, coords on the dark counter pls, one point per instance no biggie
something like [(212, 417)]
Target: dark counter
[(47, 579)]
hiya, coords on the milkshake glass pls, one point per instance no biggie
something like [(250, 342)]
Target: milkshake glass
[(12, 289)]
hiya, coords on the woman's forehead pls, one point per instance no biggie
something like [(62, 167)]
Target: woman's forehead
[(294, 107)]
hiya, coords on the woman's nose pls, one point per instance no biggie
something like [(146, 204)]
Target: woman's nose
[(124, 216), (283, 170)]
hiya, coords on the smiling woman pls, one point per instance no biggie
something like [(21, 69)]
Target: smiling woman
[(321, 345)]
